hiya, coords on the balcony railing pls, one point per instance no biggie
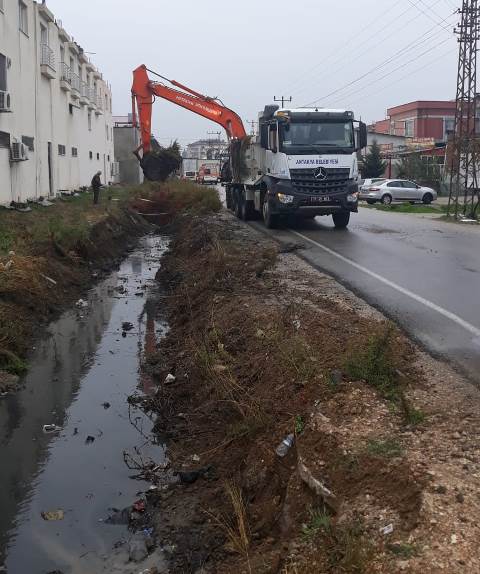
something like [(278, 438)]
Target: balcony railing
[(47, 56), (75, 81), (84, 89), (66, 73)]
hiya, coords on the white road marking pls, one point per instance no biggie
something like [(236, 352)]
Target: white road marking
[(440, 310)]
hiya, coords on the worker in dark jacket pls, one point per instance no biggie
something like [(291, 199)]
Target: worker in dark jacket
[(96, 185)]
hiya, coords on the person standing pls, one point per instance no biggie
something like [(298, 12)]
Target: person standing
[(96, 185)]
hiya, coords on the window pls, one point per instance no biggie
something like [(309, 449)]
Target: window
[(409, 128), (3, 73), (23, 17), (448, 126), (98, 156), (394, 184), (107, 132), (108, 158), (4, 140), (409, 185), (89, 121), (90, 153), (43, 35), (74, 152), (2, 8), (70, 109), (61, 150), (29, 142)]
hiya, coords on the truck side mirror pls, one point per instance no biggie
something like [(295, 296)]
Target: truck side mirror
[(362, 135)]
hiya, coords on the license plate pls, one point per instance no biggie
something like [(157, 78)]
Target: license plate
[(320, 199)]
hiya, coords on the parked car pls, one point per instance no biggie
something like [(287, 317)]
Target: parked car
[(388, 190), (369, 182)]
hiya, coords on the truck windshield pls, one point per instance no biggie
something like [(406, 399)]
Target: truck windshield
[(307, 137)]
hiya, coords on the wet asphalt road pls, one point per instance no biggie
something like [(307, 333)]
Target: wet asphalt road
[(422, 273)]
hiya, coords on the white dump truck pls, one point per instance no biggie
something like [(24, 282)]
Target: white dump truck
[(301, 163)]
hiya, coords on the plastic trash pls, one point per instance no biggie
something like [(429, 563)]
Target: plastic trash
[(170, 379), (50, 429), (89, 439), (286, 444), (52, 515), (386, 530), (81, 304)]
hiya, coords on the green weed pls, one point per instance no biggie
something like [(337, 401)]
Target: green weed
[(299, 424), (388, 448), (403, 550), (320, 521), (375, 365)]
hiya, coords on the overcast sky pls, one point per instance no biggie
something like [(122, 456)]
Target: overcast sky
[(364, 55)]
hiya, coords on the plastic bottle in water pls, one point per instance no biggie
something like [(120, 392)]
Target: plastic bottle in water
[(286, 444)]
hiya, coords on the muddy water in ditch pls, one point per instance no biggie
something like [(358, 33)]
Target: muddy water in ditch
[(79, 379)]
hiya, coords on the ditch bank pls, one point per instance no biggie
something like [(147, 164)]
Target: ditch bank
[(311, 435), (52, 259)]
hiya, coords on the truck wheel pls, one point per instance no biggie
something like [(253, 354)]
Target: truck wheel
[(237, 203), (271, 221), (341, 219), (229, 198), (246, 209)]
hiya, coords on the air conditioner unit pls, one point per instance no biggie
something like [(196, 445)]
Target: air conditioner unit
[(5, 102), (18, 151)]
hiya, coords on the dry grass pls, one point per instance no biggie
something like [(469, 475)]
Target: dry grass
[(235, 525)]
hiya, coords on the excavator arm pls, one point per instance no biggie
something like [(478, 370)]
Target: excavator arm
[(144, 92)]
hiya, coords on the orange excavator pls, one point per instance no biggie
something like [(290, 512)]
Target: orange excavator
[(144, 93)]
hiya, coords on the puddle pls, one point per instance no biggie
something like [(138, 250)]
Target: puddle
[(79, 379)]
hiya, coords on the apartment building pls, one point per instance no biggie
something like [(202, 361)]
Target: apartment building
[(433, 120), (56, 126)]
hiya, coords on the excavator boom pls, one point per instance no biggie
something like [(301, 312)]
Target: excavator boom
[(144, 92)]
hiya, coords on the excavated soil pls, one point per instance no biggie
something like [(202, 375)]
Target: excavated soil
[(378, 480)]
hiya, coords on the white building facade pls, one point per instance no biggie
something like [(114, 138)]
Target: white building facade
[(56, 128)]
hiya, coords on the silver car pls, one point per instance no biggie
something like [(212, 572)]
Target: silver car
[(388, 190)]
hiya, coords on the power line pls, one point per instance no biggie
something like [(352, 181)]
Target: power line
[(427, 14), (377, 39), (408, 75), (409, 47), (369, 39), (349, 42), (397, 68)]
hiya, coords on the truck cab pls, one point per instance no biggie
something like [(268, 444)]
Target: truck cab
[(302, 163)]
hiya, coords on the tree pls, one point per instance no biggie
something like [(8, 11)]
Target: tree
[(373, 164), (420, 169)]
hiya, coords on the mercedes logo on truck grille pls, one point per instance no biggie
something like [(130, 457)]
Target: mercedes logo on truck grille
[(320, 173)]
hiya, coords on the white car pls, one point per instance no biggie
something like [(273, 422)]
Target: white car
[(388, 190)]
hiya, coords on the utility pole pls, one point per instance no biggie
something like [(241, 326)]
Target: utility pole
[(463, 148), (282, 99)]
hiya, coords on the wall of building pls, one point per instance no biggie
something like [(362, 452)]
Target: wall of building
[(51, 110), (126, 139)]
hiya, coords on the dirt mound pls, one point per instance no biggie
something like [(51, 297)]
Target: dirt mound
[(258, 352)]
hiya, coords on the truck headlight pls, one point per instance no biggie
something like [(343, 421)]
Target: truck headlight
[(282, 198), (352, 198)]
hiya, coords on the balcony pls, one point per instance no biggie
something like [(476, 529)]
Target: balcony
[(75, 95), (83, 94), (62, 34), (99, 109), (65, 77), (47, 62), (45, 13), (92, 99)]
